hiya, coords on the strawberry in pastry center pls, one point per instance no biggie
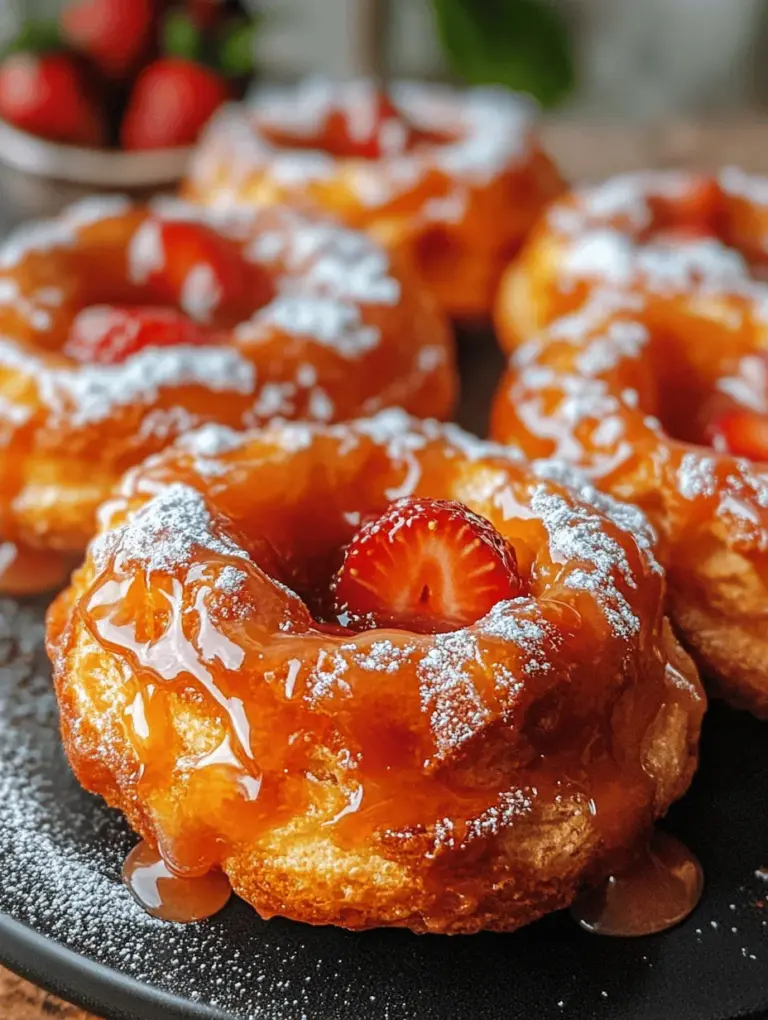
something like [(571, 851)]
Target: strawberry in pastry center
[(742, 432), (426, 565), (108, 334)]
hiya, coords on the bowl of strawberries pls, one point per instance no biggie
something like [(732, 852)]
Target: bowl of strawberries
[(112, 95)]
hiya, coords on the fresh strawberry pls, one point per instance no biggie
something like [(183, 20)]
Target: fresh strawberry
[(47, 95), (427, 565), (108, 334), (741, 432), (114, 34), (194, 267), (691, 216), (372, 128), (171, 102), (205, 13)]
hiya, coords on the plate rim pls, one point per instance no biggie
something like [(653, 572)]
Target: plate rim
[(85, 983)]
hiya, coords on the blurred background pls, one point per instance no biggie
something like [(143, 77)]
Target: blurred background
[(611, 58), (624, 84), (627, 59)]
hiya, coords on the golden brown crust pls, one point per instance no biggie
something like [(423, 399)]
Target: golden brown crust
[(632, 340), (457, 206), (336, 328), (446, 782)]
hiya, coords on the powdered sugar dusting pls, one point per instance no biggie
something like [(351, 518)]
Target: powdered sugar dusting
[(603, 228), (327, 320), (448, 693), (96, 208), (230, 580), (146, 254), (89, 393), (696, 476), (596, 561), (165, 533), (738, 184), (487, 131), (624, 198), (200, 293), (211, 440)]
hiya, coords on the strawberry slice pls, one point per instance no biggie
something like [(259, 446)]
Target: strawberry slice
[(108, 334), (691, 216), (426, 565), (369, 129), (741, 432), (193, 266)]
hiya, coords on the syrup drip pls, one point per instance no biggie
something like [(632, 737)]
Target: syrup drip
[(169, 896), (657, 892), (26, 571)]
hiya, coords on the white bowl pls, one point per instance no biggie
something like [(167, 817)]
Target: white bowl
[(39, 177)]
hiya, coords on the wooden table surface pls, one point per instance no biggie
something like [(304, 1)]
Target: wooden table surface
[(585, 152)]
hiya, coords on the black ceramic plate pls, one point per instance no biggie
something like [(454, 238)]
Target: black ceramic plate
[(69, 924)]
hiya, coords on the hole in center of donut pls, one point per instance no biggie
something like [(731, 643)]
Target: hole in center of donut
[(108, 334), (426, 565)]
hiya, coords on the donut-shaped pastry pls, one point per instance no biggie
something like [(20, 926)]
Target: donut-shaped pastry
[(636, 410), (380, 673), (688, 245), (122, 326), (454, 178), (657, 386)]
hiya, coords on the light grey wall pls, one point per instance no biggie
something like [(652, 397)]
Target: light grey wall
[(636, 58)]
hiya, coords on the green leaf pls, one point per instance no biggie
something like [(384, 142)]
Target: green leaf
[(181, 37), (35, 37), (523, 44), (236, 52)]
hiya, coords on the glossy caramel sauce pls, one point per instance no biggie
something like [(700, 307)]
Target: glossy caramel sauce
[(27, 571), (660, 889), (169, 896), (343, 733)]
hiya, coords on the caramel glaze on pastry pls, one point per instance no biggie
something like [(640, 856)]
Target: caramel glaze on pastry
[(342, 772), (122, 326), (453, 178), (645, 301)]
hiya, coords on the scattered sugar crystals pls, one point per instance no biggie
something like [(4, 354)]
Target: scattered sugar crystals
[(601, 226), (165, 532), (487, 131), (90, 393), (595, 558), (327, 279), (696, 476)]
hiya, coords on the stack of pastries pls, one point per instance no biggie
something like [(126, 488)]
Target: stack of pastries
[(377, 670)]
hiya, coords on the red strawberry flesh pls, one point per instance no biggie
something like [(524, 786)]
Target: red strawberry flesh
[(47, 95), (108, 334), (369, 127), (171, 101), (742, 433), (203, 272), (426, 565), (114, 34)]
